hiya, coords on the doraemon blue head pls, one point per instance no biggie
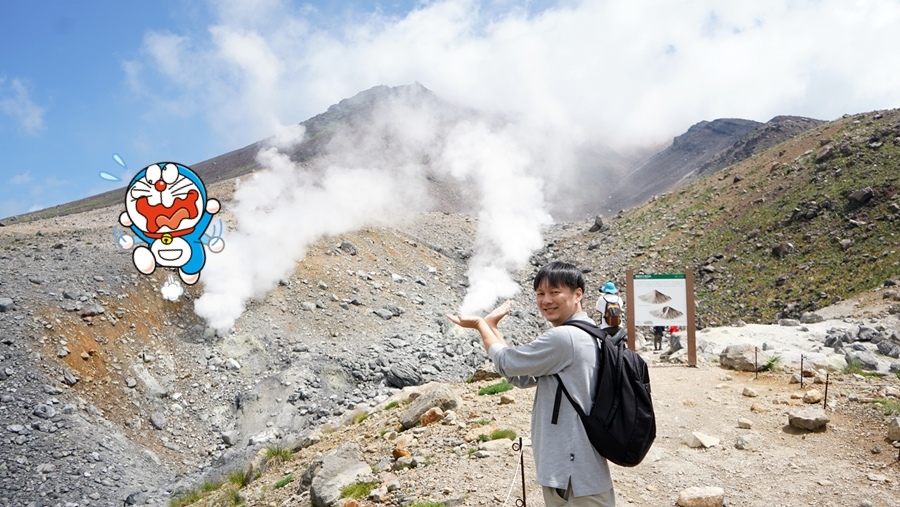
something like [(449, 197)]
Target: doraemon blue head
[(166, 206)]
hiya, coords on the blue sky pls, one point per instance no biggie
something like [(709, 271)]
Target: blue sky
[(186, 81)]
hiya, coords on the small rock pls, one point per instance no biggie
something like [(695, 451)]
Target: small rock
[(708, 496), (158, 420)]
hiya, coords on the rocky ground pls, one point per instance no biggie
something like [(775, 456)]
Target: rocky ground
[(110, 394)]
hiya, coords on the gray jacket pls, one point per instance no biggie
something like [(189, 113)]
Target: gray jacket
[(562, 451)]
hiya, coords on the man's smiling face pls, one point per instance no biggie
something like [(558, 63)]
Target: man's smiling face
[(557, 304)]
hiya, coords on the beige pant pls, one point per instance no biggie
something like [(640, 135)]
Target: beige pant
[(552, 498)]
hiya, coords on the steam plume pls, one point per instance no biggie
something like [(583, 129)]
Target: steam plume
[(282, 210)]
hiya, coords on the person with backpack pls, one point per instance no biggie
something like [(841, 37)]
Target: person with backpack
[(658, 332), (611, 308), (569, 469)]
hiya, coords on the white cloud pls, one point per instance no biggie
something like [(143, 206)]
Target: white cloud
[(21, 178), (15, 102), (615, 70)]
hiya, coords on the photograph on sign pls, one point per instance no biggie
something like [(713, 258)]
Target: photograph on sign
[(660, 300)]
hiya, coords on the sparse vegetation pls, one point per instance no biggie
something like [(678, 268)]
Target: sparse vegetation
[(497, 435), (360, 417), (358, 490), (773, 364), (284, 482), (426, 503), (392, 404), (278, 454), (238, 478), (854, 367), (888, 407), (195, 494), (499, 387)]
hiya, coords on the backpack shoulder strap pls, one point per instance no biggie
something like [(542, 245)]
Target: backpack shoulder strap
[(599, 335)]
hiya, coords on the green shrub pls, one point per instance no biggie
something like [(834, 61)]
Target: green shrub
[(392, 405), (360, 417), (483, 422), (358, 490), (499, 387), (284, 482), (426, 503)]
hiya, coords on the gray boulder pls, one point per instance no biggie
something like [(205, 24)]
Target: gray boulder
[(339, 469), (432, 395), (744, 357), (808, 418), (402, 375)]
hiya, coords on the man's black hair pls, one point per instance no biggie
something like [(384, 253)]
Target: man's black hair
[(560, 274)]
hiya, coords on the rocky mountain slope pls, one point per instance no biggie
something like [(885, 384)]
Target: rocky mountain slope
[(110, 393), (706, 147)]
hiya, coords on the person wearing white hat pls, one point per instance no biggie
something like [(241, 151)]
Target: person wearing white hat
[(611, 308)]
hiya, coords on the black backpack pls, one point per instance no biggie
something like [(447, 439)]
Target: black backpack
[(621, 424)]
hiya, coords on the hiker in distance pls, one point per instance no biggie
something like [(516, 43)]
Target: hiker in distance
[(569, 469), (610, 306)]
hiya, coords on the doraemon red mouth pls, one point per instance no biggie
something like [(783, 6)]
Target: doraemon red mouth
[(159, 216)]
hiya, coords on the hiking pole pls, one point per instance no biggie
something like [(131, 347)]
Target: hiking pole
[(801, 374), (517, 446), (825, 400)]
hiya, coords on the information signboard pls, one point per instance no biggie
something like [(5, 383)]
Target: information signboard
[(660, 300)]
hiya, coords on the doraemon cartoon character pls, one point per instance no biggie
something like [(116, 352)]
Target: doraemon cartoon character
[(167, 208)]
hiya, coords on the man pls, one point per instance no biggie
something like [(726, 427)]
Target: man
[(568, 468), (658, 336), (608, 297)]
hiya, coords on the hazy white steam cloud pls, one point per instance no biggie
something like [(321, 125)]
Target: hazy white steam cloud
[(280, 212), (512, 208)]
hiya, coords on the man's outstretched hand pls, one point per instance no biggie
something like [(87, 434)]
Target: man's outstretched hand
[(471, 321)]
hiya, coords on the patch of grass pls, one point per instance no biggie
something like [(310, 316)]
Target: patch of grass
[(497, 435), (278, 454), (888, 407), (499, 387), (426, 503), (360, 417), (483, 422), (358, 490), (284, 482), (238, 478), (195, 494), (186, 498), (773, 364), (392, 404), (853, 367)]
